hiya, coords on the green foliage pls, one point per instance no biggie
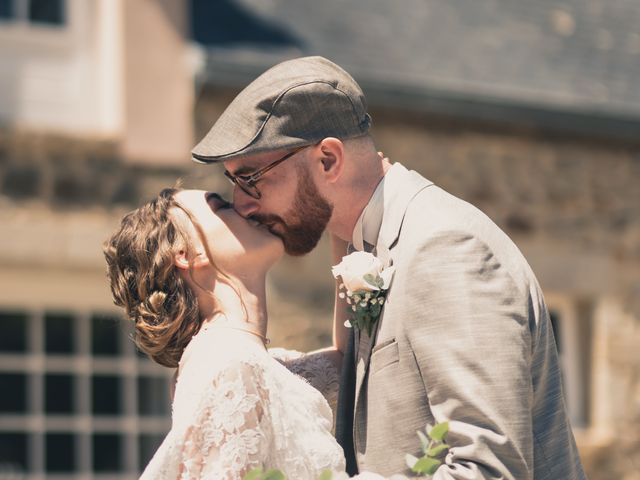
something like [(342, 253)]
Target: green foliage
[(326, 475), (438, 432), (433, 447), (259, 474)]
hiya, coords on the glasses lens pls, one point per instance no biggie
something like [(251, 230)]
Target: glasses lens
[(248, 188)]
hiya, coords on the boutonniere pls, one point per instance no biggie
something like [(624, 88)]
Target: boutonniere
[(365, 282)]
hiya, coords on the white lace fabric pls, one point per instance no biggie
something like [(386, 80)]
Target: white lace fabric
[(234, 411)]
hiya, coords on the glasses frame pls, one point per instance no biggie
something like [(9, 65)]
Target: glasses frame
[(247, 183)]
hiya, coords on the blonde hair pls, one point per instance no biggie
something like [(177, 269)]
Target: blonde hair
[(146, 283)]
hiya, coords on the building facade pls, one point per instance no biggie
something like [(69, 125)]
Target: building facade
[(101, 101)]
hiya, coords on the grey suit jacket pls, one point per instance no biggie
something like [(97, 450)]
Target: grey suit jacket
[(464, 337)]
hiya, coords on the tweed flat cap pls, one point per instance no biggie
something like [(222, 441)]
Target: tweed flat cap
[(295, 103)]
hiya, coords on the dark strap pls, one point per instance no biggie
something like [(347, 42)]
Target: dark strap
[(346, 399)]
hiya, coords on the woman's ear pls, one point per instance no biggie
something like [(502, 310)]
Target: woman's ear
[(201, 260), (181, 261)]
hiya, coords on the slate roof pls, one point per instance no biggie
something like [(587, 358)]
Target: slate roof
[(526, 57)]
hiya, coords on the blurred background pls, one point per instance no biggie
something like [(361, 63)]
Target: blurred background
[(529, 110)]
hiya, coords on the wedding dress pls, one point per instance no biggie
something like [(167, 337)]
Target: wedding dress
[(236, 407)]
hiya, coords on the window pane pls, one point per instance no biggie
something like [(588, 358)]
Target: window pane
[(61, 453), (148, 444), (14, 332), (59, 396), (59, 333), (6, 9), (106, 395), (105, 335), (47, 11), (107, 455), (153, 396), (14, 392), (13, 453)]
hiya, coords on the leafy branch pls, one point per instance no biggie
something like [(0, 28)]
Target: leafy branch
[(433, 447), (259, 474)]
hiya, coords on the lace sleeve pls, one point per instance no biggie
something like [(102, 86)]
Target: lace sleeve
[(231, 433), (320, 369)]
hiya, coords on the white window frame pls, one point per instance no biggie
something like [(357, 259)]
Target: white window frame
[(35, 363), (577, 375), (23, 32)]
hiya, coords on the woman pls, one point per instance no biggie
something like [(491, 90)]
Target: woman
[(190, 273)]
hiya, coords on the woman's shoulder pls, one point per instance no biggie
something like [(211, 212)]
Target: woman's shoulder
[(215, 357)]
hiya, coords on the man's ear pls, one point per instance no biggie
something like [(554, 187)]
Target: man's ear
[(332, 151)]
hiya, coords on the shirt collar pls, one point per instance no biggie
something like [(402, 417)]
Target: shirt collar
[(367, 228)]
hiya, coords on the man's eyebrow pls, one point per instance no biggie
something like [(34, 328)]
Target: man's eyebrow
[(243, 171)]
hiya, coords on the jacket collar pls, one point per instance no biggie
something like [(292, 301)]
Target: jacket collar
[(380, 222), (396, 190)]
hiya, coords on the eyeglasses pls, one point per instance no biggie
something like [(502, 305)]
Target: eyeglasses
[(247, 183)]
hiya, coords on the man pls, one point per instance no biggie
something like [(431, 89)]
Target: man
[(464, 336)]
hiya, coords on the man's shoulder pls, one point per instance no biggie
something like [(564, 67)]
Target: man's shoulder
[(434, 210)]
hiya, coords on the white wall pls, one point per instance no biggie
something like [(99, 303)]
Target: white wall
[(65, 79)]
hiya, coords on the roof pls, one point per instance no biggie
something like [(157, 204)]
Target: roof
[(496, 57)]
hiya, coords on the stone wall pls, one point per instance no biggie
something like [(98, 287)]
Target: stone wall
[(572, 204)]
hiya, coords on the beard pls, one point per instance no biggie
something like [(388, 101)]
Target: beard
[(302, 226)]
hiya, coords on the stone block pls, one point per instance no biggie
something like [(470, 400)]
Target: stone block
[(21, 181)]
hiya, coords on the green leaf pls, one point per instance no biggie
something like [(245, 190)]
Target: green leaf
[(437, 450), (426, 466), (326, 475), (274, 475), (439, 431), (379, 282), (254, 474), (375, 309), (424, 441), (371, 280), (410, 460)]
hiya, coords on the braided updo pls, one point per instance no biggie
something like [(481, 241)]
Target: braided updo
[(145, 281)]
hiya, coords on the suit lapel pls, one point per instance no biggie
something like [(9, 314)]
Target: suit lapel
[(401, 185)]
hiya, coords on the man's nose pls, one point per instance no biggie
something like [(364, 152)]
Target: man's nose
[(244, 204)]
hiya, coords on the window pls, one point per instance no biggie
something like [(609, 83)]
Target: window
[(38, 12), (77, 397), (6, 9), (572, 327)]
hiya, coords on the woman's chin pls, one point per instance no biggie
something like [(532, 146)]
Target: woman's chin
[(276, 247)]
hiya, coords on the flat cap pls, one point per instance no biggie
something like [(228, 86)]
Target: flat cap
[(295, 103)]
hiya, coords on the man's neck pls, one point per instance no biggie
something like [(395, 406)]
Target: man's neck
[(352, 208)]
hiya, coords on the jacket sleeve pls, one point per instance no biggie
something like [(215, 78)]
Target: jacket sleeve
[(470, 325), (319, 368)]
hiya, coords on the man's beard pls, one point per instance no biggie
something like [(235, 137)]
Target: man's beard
[(303, 225)]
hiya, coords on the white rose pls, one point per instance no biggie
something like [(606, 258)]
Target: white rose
[(354, 267)]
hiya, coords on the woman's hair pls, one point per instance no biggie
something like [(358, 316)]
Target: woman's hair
[(145, 281)]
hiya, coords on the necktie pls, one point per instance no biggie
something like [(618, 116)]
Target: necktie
[(346, 399)]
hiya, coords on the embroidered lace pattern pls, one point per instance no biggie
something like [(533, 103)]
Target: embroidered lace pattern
[(233, 412), (315, 368)]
